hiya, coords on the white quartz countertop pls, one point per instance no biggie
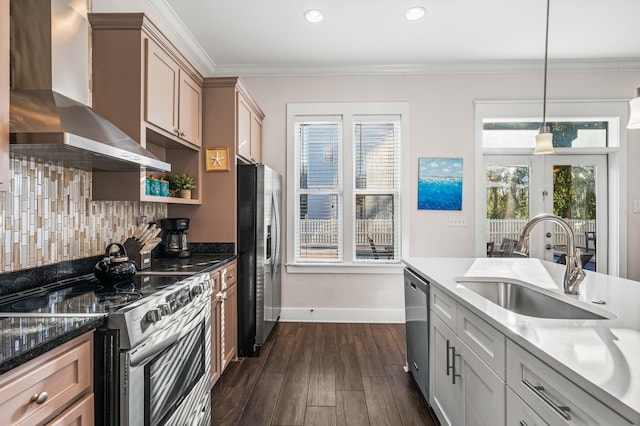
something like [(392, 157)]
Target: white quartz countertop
[(600, 356)]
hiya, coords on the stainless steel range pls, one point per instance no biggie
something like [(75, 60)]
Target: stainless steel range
[(165, 356), (153, 357)]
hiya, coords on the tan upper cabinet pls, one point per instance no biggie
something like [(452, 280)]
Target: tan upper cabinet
[(244, 127), (162, 89), (145, 86), (173, 98), (249, 123), (4, 96), (256, 138), (190, 110)]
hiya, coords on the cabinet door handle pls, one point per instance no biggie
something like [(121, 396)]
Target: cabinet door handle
[(539, 391), (453, 365), (39, 398), (523, 423), (449, 347), (413, 286), (416, 366)]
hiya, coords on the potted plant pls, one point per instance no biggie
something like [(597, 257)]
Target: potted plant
[(182, 184)]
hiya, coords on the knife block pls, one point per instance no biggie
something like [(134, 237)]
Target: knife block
[(142, 259)]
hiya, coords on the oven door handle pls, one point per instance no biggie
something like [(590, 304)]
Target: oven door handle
[(140, 356)]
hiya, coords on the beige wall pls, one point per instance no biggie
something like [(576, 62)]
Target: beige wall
[(441, 125), (48, 216)]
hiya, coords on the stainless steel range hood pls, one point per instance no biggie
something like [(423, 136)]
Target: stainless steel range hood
[(49, 118)]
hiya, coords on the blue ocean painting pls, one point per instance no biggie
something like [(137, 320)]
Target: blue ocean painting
[(440, 184)]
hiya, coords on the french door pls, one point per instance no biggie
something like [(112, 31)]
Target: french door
[(573, 187)]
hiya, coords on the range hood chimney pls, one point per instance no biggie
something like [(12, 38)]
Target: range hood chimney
[(49, 118)]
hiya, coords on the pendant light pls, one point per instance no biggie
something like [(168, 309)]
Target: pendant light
[(544, 138), (634, 114)]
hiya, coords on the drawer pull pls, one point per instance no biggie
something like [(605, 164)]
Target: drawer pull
[(449, 347), (523, 423), (539, 391), (453, 366), (416, 366), (228, 277), (39, 398)]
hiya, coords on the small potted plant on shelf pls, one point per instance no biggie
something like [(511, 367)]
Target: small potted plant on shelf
[(182, 184)]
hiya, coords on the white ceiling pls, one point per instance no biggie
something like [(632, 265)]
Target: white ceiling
[(252, 37)]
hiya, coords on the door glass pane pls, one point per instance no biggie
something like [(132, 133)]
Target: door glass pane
[(507, 207), (574, 199), (374, 227)]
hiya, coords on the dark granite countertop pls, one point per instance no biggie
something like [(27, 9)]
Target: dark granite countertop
[(196, 263), (23, 339)]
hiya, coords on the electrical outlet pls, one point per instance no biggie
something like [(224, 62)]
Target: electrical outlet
[(457, 221), (636, 206)]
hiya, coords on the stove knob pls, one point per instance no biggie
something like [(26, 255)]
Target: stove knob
[(196, 290), (164, 309), (153, 315)]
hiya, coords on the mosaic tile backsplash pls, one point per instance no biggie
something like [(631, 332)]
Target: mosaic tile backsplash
[(48, 216)]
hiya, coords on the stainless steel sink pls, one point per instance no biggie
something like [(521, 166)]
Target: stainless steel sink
[(527, 301)]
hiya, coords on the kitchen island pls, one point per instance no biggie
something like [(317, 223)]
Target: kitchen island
[(600, 356)]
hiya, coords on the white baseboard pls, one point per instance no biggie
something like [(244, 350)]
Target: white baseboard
[(342, 315)]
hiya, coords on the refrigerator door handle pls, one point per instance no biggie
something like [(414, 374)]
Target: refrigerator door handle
[(276, 236)]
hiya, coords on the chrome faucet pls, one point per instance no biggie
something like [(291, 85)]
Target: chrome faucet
[(574, 274)]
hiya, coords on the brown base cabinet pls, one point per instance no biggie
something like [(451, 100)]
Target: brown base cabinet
[(216, 333), (224, 319), (79, 414), (56, 388), (230, 326)]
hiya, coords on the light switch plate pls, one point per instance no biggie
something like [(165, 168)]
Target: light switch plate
[(636, 206), (457, 220)]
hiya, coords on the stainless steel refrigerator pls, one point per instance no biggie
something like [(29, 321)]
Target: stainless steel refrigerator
[(259, 254)]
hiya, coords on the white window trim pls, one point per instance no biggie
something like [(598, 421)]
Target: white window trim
[(347, 109), (613, 110)]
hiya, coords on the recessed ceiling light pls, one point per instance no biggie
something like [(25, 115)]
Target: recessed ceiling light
[(415, 13), (313, 15)]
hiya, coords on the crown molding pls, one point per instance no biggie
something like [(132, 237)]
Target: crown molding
[(440, 67), (189, 45)]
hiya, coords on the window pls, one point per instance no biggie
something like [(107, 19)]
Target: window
[(566, 134), (344, 183)]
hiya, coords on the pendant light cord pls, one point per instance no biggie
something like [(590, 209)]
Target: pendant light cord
[(546, 50)]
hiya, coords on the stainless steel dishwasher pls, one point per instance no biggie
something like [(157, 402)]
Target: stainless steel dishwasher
[(416, 302)]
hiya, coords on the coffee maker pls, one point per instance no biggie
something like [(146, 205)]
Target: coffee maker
[(174, 242)]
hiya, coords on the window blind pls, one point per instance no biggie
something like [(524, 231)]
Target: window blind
[(376, 183), (319, 192)]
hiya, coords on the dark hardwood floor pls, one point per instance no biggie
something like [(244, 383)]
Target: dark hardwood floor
[(322, 374)]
